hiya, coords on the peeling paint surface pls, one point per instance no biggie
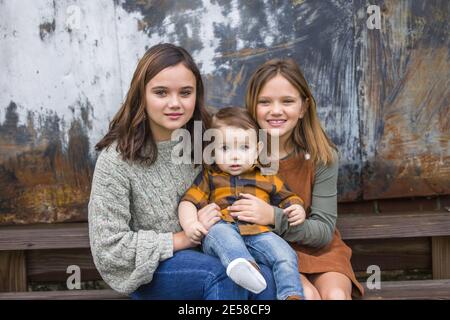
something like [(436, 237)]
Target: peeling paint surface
[(404, 85), (66, 66)]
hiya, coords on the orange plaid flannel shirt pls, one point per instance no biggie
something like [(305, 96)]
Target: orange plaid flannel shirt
[(213, 185)]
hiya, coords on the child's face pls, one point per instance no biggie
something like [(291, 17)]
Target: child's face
[(279, 107), (170, 100), (236, 151)]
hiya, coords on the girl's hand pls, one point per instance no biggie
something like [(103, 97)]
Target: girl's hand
[(181, 241), (296, 214), (252, 209), (209, 215)]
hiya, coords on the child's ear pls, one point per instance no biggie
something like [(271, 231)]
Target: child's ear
[(305, 106)]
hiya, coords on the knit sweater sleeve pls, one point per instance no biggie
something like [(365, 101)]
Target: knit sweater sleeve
[(317, 230), (125, 258)]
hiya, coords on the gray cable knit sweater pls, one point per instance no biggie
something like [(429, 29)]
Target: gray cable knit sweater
[(133, 215)]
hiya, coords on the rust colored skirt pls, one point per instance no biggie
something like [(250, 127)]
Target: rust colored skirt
[(333, 258)]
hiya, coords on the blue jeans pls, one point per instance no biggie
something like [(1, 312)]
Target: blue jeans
[(225, 242), (193, 275)]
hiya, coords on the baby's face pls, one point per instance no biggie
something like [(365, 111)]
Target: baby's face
[(236, 150)]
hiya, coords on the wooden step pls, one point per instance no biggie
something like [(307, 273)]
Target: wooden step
[(351, 226), (411, 290), (44, 236), (103, 294), (394, 225), (389, 254), (395, 290)]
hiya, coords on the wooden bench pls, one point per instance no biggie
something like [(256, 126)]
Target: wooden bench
[(42, 253)]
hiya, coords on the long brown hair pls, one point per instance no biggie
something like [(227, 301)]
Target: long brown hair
[(308, 134), (130, 126)]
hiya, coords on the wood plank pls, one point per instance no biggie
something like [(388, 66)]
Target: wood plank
[(351, 226), (410, 290), (391, 254), (104, 294), (441, 257), (399, 290), (388, 254), (13, 274), (44, 236), (51, 265), (394, 225)]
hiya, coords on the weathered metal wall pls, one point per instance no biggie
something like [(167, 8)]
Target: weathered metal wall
[(403, 85), (66, 65)]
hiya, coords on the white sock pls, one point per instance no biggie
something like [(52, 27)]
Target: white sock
[(242, 272)]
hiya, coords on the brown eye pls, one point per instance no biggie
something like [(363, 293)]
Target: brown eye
[(186, 93), (160, 93)]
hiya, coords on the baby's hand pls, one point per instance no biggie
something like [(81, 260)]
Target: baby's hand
[(195, 232), (296, 214)]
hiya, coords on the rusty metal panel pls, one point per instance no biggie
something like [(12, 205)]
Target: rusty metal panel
[(66, 65), (60, 85), (404, 101)]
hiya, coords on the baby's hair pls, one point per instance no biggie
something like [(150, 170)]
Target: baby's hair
[(233, 117)]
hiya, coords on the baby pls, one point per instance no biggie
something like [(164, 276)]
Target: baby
[(235, 175)]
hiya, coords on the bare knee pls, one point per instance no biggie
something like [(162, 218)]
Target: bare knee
[(311, 293), (309, 290), (335, 294)]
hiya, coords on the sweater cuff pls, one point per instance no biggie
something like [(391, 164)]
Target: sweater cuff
[(278, 218), (166, 245), (282, 228)]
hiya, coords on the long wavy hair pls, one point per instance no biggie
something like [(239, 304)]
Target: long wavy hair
[(308, 134), (130, 127)]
